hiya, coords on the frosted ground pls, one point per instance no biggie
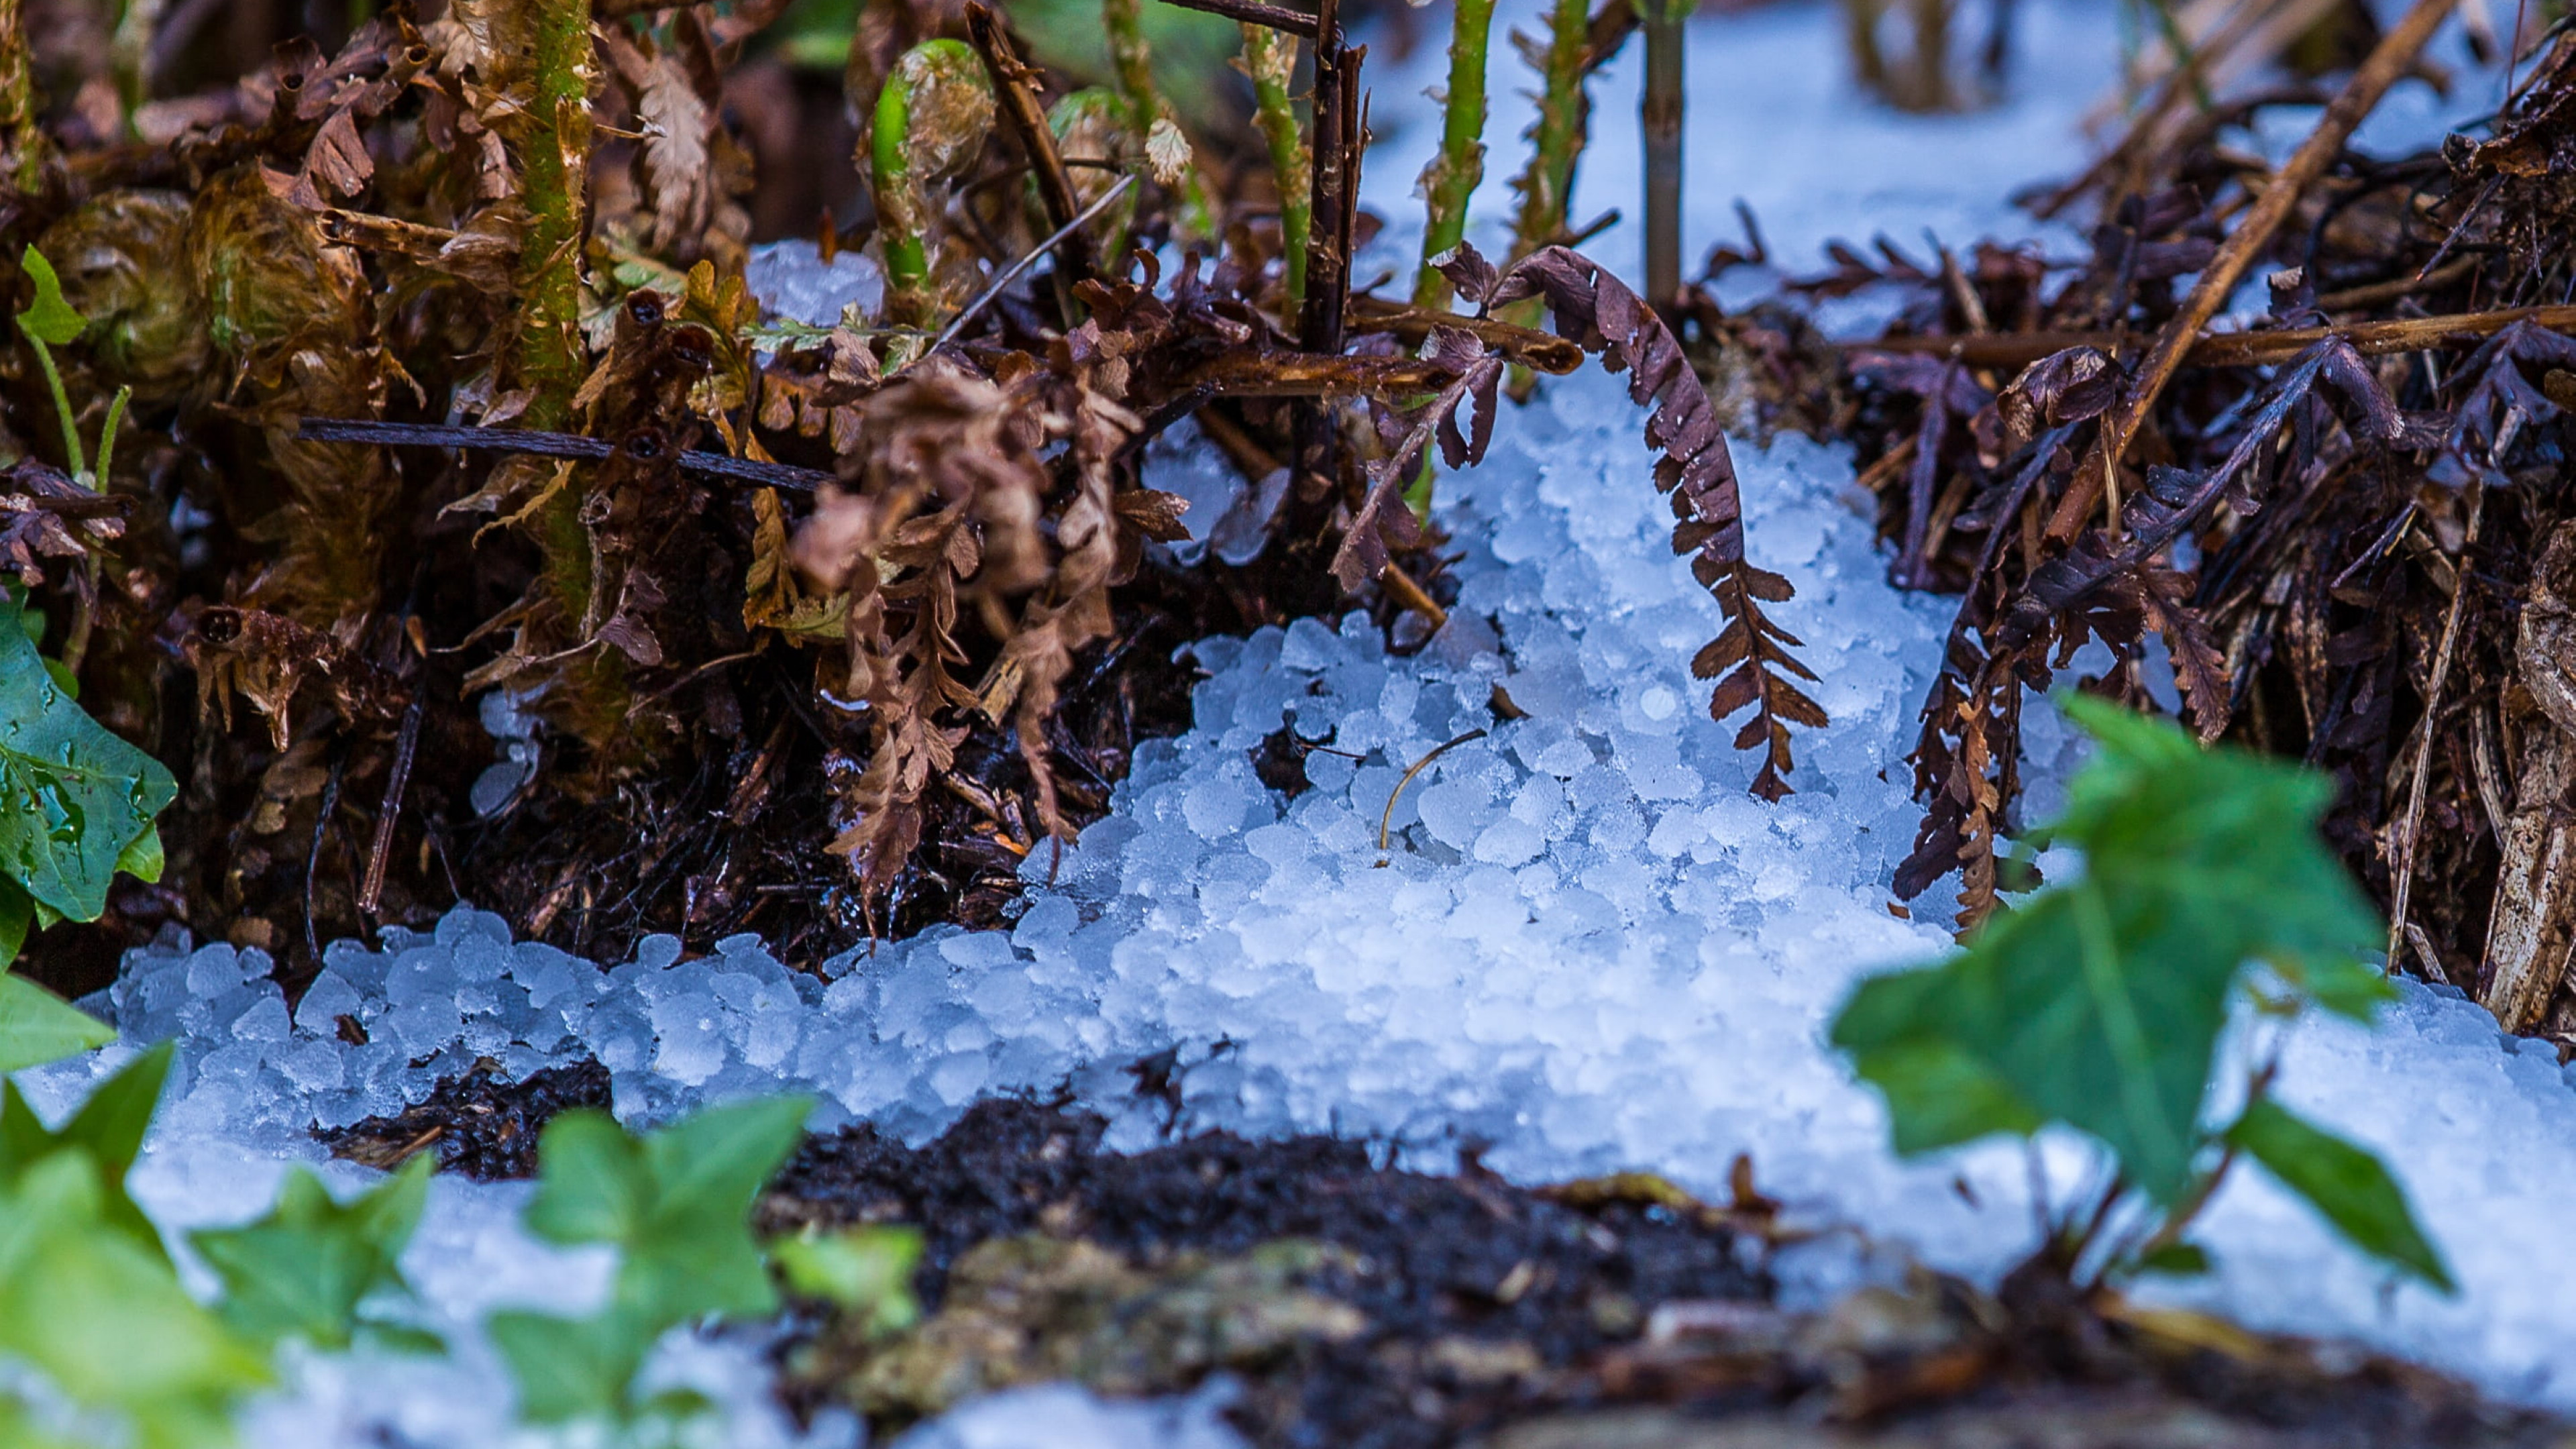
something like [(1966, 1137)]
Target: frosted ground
[(1587, 947)]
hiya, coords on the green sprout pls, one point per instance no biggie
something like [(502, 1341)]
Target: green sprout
[(1449, 181)]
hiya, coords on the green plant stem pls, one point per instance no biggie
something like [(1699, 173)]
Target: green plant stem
[(1131, 59), (1449, 182), (1556, 137), (899, 221), (1270, 59), (1660, 116), (75, 461), (554, 166)]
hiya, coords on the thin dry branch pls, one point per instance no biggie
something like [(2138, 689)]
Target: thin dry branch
[(2391, 58)]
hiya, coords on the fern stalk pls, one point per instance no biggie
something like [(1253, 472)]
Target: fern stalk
[(554, 169), (1449, 182), (1556, 137), (899, 220), (1270, 59), (1131, 60)]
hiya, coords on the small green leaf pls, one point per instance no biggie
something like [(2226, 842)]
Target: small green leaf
[(17, 914), (2177, 1260), (865, 1272), (36, 1026), (107, 1133), (572, 1368), (106, 1321), (73, 797), (305, 1270), (592, 1184), (2346, 1185), (142, 857), (50, 320), (2100, 1001)]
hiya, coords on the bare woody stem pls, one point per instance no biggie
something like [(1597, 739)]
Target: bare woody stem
[(1015, 90), (1449, 182), (554, 164), (1556, 137), (1270, 59), (1661, 118), (2391, 58)]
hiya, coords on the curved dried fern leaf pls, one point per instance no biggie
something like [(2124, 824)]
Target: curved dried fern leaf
[(1750, 658)]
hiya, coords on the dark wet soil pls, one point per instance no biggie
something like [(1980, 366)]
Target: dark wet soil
[(1365, 1307), (481, 1124)]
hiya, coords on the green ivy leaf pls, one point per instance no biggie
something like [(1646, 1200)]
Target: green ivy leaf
[(677, 1206), (309, 1267), (106, 1321), (17, 915), (37, 1027), (107, 1132), (2100, 1002), (73, 797), (2346, 1185), (572, 1368), (865, 1272), (50, 320)]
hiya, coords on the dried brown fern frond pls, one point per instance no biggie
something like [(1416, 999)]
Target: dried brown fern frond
[(1750, 658)]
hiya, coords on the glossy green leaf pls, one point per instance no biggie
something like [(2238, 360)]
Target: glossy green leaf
[(309, 1268), (37, 1027), (2346, 1185), (50, 319), (2099, 1003), (73, 797), (17, 915)]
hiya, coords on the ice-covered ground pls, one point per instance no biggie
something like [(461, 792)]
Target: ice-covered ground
[(1587, 947)]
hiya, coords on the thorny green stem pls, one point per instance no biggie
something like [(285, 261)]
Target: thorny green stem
[(1556, 137), (1270, 59), (554, 164), (1661, 118), (22, 140), (1131, 57), (1449, 182)]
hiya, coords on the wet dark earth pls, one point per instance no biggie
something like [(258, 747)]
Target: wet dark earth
[(1356, 1305)]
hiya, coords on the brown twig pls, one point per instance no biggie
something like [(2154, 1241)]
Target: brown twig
[(1522, 346), (380, 849), (1016, 86), (2391, 58), (2414, 821), (2240, 349), (1252, 12), (1064, 236), (545, 445), (1312, 375), (1397, 582)]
